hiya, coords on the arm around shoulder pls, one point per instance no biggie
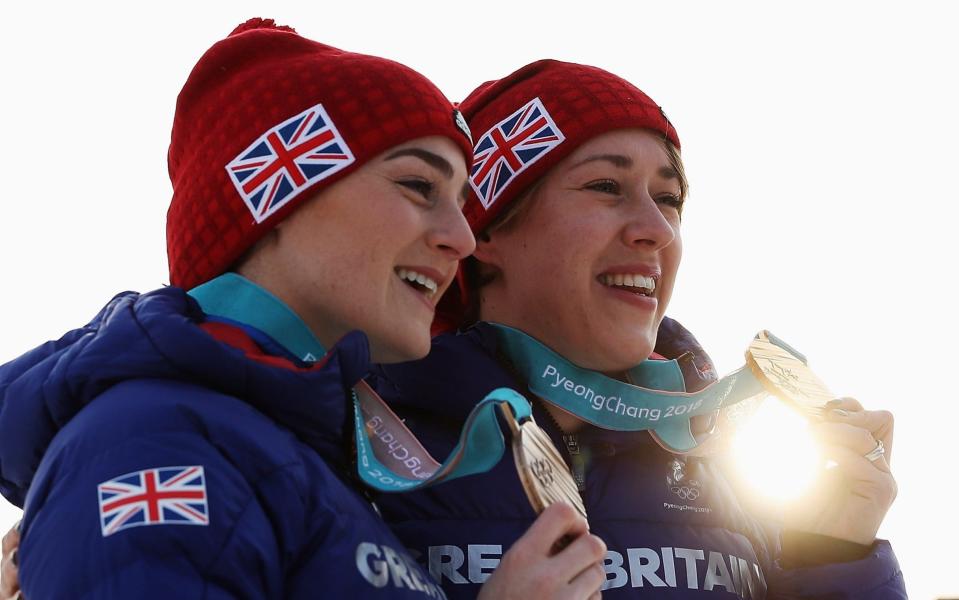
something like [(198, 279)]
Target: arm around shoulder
[(164, 511)]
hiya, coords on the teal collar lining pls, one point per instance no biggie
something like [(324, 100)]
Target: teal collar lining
[(231, 296)]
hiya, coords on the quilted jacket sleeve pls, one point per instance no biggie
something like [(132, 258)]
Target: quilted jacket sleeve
[(147, 500), (876, 576)]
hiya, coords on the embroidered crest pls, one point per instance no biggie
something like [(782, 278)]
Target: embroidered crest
[(161, 496), (510, 147), (685, 488), (288, 159)]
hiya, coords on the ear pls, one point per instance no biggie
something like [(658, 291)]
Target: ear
[(487, 250)]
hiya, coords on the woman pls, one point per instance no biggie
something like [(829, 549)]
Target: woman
[(188, 444), (578, 194)]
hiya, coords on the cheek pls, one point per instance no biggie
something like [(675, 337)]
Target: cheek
[(676, 251), (672, 258)]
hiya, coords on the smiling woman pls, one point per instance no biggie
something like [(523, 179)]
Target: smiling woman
[(578, 194), (389, 236), (202, 444), (598, 313)]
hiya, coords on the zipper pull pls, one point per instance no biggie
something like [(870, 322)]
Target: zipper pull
[(578, 460)]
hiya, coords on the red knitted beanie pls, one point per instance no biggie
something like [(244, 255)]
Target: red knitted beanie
[(265, 120), (526, 123), (530, 120)]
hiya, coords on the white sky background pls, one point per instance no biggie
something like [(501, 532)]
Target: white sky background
[(819, 141)]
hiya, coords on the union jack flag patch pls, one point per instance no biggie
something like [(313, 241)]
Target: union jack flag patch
[(161, 496), (510, 147), (287, 159)]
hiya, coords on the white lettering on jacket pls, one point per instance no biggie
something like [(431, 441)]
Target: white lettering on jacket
[(688, 568), (381, 565)]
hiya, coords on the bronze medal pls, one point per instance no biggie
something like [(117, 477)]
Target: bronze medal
[(785, 374), (542, 471)]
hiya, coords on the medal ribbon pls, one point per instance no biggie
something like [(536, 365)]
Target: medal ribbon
[(660, 403), (389, 457)]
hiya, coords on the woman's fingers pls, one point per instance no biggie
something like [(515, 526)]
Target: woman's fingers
[(587, 583), (8, 577), (9, 583), (11, 539), (584, 552), (556, 522), (846, 403), (534, 568), (880, 424), (866, 479), (858, 443)]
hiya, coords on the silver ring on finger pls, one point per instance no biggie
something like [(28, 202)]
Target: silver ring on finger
[(877, 452)]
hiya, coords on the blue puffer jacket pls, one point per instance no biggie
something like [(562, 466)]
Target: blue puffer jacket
[(674, 527), (158, 461)]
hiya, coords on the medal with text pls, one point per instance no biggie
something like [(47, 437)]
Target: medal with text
[(542, 471), (784, 372)]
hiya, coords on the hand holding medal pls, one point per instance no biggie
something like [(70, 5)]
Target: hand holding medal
[(851, 436), (558, 543), (849, 499)]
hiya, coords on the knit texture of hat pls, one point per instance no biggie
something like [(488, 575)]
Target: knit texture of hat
[(266, 119), (527, 122)]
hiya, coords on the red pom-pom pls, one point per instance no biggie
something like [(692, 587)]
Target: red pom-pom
[(258, 23)]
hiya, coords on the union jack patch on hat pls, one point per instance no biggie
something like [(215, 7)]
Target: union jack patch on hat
[(160, 496), (510, 147), (287, 160)]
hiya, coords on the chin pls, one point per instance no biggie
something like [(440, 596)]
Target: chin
[(400, 348), (625, 353)]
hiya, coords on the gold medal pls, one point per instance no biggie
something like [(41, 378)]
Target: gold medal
[(545, 476), (784, 373)]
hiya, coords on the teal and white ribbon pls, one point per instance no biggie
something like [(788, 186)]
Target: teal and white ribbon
[(389, 457), (659, 403)]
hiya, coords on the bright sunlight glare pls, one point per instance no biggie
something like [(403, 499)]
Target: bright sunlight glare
[(776, 453)]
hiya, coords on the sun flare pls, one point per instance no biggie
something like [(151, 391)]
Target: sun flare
[(776, 453)]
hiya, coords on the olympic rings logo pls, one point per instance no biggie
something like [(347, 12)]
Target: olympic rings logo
[(685, 492), (543, 471)]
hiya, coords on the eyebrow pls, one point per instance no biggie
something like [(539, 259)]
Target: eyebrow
[(618, 160), (625, 162), (668, 173), (434, 160)]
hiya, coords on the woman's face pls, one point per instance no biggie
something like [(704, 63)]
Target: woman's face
[(590, 267), (376, 250)]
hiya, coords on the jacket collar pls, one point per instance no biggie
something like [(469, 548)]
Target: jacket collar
[(160, 335)]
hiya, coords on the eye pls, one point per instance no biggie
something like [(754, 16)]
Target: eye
[(422, 187), (604, 186), (672, 201)]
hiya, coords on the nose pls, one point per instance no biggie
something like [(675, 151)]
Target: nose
[(451, 233), (647, 226)]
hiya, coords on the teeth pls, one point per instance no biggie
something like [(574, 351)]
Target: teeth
[(414, 277), (629, 280)]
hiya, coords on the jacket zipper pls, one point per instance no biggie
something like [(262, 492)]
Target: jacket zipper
[(577, 459), (570, 440)]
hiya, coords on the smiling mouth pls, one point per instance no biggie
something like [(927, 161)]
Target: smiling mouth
[(635, 283), (423, 284)]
